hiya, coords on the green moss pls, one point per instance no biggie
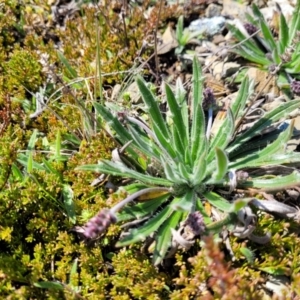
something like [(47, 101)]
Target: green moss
[(135, 277), (11, 31), (23, 71)]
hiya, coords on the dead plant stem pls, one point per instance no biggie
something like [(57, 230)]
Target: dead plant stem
[(155, 38)]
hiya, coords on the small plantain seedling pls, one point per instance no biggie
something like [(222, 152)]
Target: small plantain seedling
[(178, 165), (184, 36), (276, 52)]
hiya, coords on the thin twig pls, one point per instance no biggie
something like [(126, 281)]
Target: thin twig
[(155, 37), (123, 14)]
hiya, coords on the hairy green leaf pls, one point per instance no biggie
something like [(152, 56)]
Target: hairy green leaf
[(164, 237), (138, 234), (273, 183), (267, 120), (283, 34), (197, 114), (69, 203), (180, 140), (218, 201), (256, 158), (118, 169), (142, 209), (221, 165), (223, 136)]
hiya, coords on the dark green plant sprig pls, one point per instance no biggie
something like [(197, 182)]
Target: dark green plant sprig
[(178, 166), (278, 55)]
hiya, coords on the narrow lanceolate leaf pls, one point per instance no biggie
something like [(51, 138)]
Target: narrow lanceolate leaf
[(186, 202), (250, 55), (197, 114), (177, 144), (251, 19), (58, 145), (32, 141), (49, 285), (273, 160), (142, 209), (276, 183), (293, 67), (180, 95), (184, 171), (277, 147), (295, 23), (201, 150), (218, 201), (268, 41), (238, 104), (221, 165), (197, 96), (171, 171), (28, 162), (72, 72), (180, 137), (115, 169), (275, 270), (74, 269), (120, 130), (145, 145), (199, 170), (17, 174), (256, 11), (179, 28), (138, 234), (164, 237), (113, 122), (283, 34), (276, 57), (69, 203), (250, 45), (223, 136), (267, 120), (266, 31), (158, 123)]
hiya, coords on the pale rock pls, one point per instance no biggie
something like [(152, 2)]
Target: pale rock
[(264, 83), (286, 8), (223, 70), (278, 285), (116, 92), (218, 39), (168, 41), (208, 26), (234, 9), (275, 103)]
